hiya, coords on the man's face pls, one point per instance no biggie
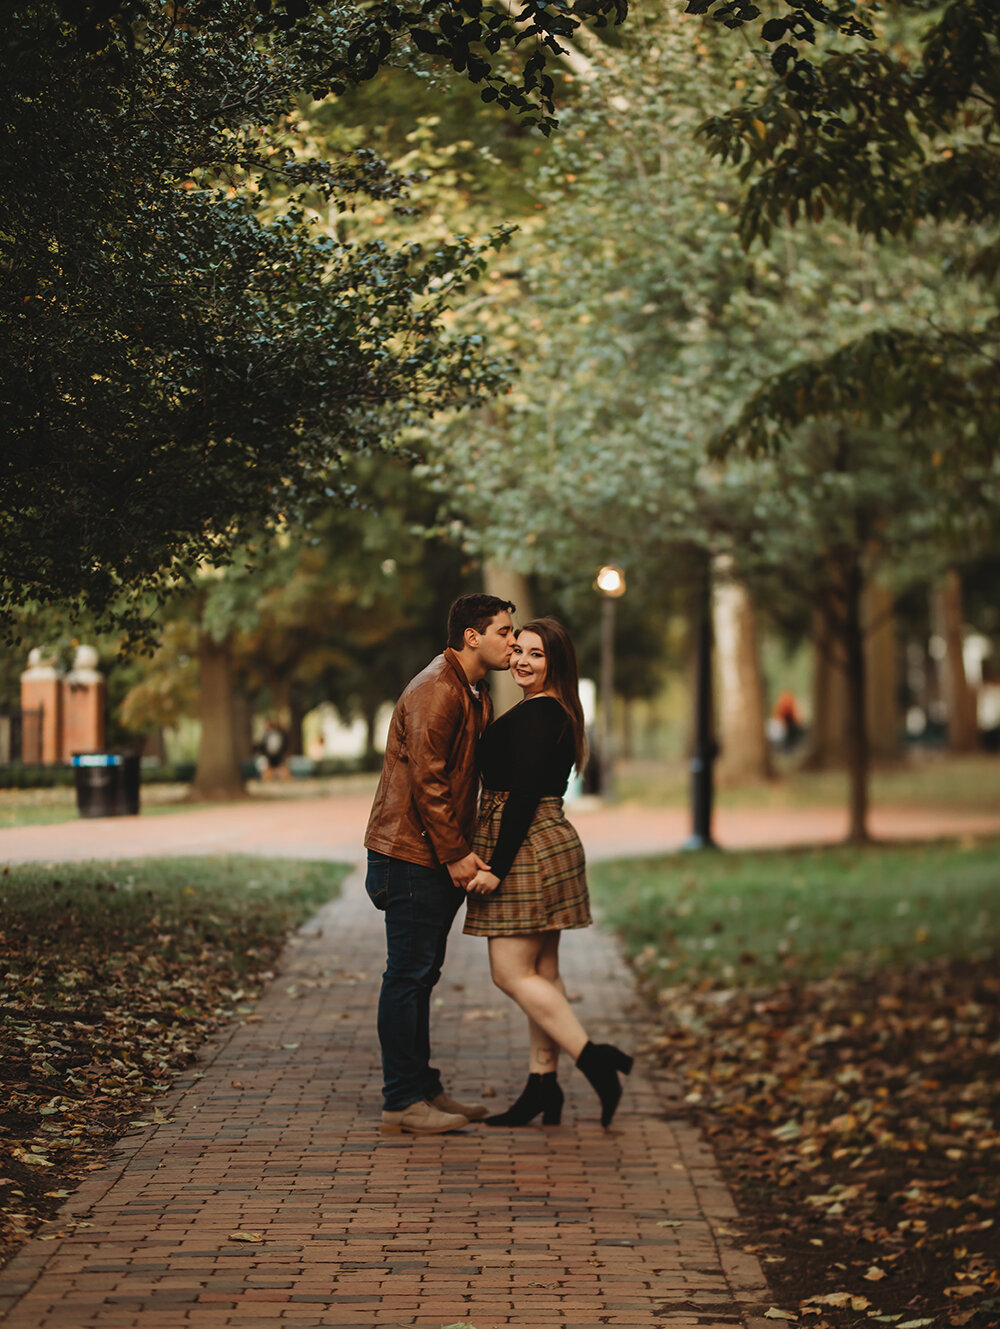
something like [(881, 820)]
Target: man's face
[(496, 642)]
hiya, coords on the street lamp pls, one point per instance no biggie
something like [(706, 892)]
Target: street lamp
[(705, 747), (610, 583)]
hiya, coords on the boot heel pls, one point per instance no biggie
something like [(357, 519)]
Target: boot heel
[(601, 1063), (552, 1116)]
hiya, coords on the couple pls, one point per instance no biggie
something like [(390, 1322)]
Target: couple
[(517, 860)]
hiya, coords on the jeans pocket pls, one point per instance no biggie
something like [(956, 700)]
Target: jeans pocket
[(377, 880)]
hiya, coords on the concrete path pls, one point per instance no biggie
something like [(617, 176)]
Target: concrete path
[(274, 1135), (332, 827)]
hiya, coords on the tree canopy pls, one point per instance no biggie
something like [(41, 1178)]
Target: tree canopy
[(885, 117), (646, 332), (181, 363)]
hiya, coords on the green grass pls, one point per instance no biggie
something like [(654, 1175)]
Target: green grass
[(742, 918), (46, 807), (933, 779), (176, 906)]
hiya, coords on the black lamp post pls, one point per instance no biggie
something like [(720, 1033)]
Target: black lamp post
[(610, 582), (705, 747)]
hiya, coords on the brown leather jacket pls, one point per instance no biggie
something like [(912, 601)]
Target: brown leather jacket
[(425, 805)]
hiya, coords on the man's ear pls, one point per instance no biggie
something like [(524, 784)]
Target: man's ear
[(471, 638)]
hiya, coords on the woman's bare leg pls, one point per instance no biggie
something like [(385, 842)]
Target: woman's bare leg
[(544, 1050), (516, 965)]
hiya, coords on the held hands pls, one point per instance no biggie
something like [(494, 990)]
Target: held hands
[(483, 883), (466, 869)]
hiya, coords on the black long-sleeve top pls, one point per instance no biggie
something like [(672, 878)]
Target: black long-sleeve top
[(530, 752)]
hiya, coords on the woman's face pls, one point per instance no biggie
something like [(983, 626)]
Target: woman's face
[(528, 664)]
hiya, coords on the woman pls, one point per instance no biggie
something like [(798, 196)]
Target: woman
[(536, 885)]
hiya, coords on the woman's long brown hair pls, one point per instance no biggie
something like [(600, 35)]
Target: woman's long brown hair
[(562, 677)]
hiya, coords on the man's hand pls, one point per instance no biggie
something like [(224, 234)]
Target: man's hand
[(484, 882), (465, 869)]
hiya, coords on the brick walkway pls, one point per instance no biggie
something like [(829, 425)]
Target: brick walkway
[(275, 1133)]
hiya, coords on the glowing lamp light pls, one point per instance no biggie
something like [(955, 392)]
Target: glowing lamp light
[(610, 581)]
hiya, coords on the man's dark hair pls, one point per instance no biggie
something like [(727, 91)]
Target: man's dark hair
[(473, 611)]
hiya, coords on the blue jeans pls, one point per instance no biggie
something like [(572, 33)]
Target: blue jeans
[(420, 907)]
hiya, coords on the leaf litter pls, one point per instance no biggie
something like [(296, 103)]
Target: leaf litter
[(857, 1120), (100, 1008)]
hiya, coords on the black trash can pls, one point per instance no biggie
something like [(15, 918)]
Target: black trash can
[(107, 783)]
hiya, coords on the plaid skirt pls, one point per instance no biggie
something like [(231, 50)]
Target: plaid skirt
[(546, 887)]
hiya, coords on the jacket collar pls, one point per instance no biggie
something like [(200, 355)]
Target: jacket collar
[(463, 678)]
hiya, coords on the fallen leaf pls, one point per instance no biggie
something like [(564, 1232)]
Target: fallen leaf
[(790, 1130), (772, 1313), (246, 1236), (32, 1159), (850, 1299), (874, 1273)]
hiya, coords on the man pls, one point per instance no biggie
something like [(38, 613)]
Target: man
[(420, 859)]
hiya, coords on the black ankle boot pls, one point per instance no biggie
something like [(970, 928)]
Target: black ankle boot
[(541, 1094), (600, 1063)]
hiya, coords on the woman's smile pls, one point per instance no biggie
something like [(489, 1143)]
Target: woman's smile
[(528, 664)]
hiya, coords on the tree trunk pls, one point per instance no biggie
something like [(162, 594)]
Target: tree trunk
[(827, 725), (371, 718), (218, 774), (857, 716), (243, 725), (296, 714), (628, 728), (744, 753), (512, 586), (959, 699), (154, 745), (882, 665)]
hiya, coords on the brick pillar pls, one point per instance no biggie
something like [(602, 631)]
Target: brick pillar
[(41, 690), (83, 691)]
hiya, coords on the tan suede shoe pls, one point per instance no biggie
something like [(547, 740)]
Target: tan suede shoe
[(474, 1111), (422, 1118)]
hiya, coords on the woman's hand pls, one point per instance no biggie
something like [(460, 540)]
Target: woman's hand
[(483, 883)]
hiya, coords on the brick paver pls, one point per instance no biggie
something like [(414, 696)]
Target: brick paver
[(275, 1133)]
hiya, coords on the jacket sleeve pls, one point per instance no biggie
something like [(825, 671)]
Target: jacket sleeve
[(431, 737), (535, 736)]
